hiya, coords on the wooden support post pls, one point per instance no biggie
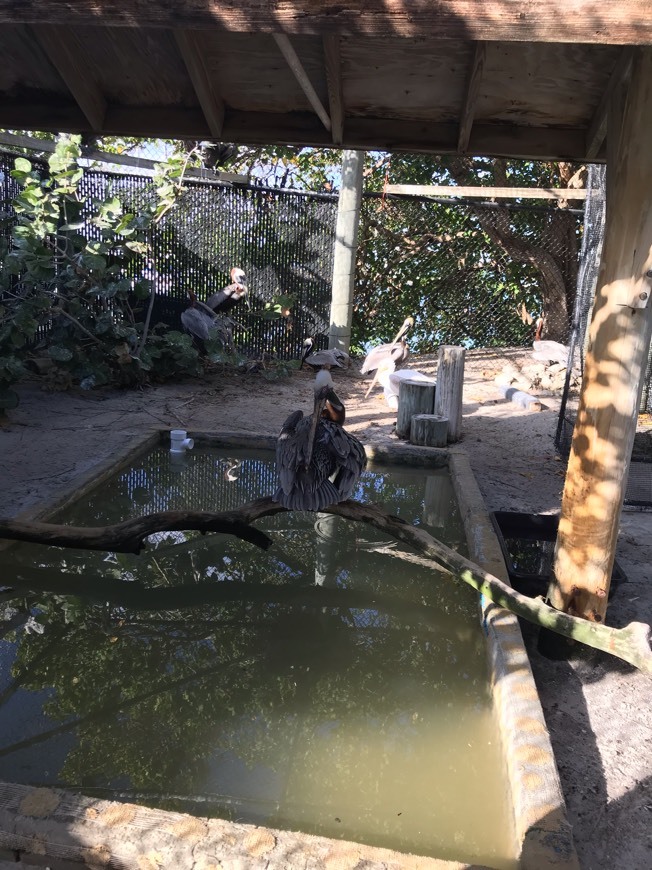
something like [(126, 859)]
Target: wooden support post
[(428, 430), (346, 246), (414, 397), (619, 338), (450, 383)]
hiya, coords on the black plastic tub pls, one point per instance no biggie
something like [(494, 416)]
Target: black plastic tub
[(527, 542)]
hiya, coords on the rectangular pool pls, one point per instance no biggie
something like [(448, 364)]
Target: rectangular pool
[(185, 679)]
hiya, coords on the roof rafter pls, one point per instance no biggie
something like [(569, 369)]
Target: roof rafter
[(287, 50), (333, 64), (210, 102), (66, 55), (473, 83)]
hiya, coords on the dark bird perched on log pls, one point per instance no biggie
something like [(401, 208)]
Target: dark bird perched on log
[(323, 359), (317, 461), (198, 320), (226, 298), (395, 351)]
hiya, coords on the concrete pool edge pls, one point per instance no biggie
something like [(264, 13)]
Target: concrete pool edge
[(61, 829), (541, 826)]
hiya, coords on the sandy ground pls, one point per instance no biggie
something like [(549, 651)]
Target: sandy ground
[(598, 709)]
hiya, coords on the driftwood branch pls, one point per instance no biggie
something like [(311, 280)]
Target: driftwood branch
[(630, 643), (129, 536)]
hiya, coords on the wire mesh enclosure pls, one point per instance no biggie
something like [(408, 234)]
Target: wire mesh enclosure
[(476, 275), (594, 223), (283, 241)]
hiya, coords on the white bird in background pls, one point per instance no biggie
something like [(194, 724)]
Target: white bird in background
[(226, 298), (318, 462), (395, 351)]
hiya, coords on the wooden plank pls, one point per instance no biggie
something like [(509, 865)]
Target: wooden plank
[(598, 127), (627, 22), (486, 192), (292, 58), (333, 64), (471, 96), (48, 145), (303, 128), (619, 340), (209, 100), (67, 56)]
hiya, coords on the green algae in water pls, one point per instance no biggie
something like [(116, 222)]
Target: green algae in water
[(184, 678)]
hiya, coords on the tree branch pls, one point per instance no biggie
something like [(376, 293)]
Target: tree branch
[(630, 643)]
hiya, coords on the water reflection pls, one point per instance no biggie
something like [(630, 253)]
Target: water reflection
[(328, 685)]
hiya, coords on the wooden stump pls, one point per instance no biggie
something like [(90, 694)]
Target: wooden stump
[(450, 381), (429, 430), (414, 397)]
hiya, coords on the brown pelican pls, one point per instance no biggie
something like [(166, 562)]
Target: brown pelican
[(199, 320), (323, 359), (317, 461), (225, 299), (396, 351)]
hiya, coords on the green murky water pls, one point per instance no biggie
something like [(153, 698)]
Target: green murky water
[(182, 678)]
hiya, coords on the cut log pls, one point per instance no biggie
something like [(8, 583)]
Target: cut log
[(414, 397), (450, 383), (523, 400), (429, 430)]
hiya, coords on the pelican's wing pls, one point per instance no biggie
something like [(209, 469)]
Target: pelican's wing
[(375, 357), (196, 323), (290, 449), (304, 483), (323, 358), (349, 457)]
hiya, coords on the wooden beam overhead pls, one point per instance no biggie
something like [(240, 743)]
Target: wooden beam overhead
[(471, 96), (627, 22), (66, 56), (598, 127), (558, 193), (333, 64), (210, 102), (287, 50), (304, 128)]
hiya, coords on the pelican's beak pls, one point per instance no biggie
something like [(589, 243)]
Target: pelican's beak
[(407, 324), (320, 402)]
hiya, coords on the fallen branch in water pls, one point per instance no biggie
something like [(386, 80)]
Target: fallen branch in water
[(129, 536), (630, 643)]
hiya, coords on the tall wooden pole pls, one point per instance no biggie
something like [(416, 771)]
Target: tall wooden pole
[(346, 245), (619, 339)]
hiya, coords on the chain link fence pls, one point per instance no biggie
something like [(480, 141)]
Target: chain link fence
[(479, 275)]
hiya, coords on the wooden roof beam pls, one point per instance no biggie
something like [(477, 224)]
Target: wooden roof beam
[(210, 102), (473, 83), (598, 127), (333, 63), (304, 128), (292, 58), (627, 22), (66, 56), (478, 191)]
